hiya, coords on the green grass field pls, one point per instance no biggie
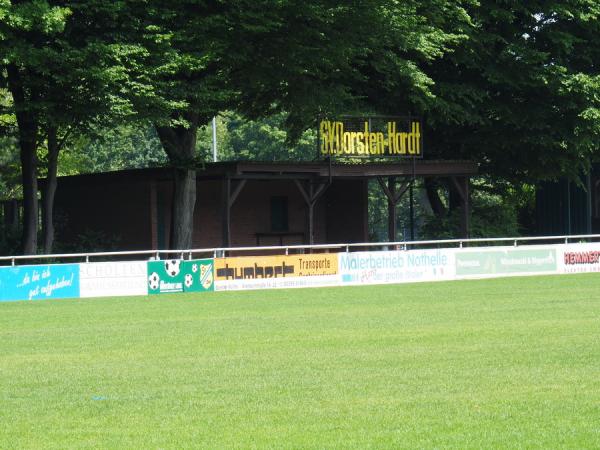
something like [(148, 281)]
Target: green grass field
[(506, 363)]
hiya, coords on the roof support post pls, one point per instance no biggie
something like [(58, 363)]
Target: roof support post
[(462, 187), (229, 197), (392, 211), (153, 215), (311, 196), (393, 197), (226, 211)]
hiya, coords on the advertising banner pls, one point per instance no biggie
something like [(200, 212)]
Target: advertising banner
[(105, 279), (373, 136), (39, 282), (250, 267), (277, 283), (507, 261), (579, 258), (165, 276), (262, 272), (396, 266), (198, 275)]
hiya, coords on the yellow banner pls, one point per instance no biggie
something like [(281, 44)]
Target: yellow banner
[(362, 140), (251, 267)]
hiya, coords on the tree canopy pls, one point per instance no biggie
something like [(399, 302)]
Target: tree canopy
[(511, 85)]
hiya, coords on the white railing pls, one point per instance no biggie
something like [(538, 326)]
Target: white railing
[(285, 249)]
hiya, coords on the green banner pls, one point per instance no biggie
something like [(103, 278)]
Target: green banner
[(490, 262), (165, 276), (198, 275)]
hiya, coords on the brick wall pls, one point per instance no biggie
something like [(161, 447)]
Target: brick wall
[(117, 209), (136, 212)]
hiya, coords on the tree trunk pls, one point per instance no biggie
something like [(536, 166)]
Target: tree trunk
[(434, 198), (184, 200), (49, 191), (30, 197), (180, 145), (28, 128), (454, 199)]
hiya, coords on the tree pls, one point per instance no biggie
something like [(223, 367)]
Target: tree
[(521, 95), (265, 139), (264, 57), (62, 65), (25, 28), (518, 93)]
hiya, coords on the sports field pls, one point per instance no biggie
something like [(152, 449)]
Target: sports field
[(506, 363)]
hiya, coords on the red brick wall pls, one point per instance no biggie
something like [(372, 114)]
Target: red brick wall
[(347, 208), (137, 212), (119, 209), (207, 215), (340, 214)]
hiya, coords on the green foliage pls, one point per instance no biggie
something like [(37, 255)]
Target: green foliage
[(265, 140), (497, 210), (520, 95), (10, 182), (9, 240), (88, 242), (511, 85), (128, 146)]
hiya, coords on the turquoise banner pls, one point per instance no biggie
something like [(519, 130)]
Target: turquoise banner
[(39, 282)]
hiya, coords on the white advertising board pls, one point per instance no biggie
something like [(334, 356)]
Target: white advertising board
[(277, 283), (107, 279), (579, 258), (400, 266)]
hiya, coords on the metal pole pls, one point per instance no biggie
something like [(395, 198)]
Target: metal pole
[(214, 138), (568, 207), (588, 202), (412, 213)]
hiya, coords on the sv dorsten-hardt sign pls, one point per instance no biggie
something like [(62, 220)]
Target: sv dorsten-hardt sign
[(371, 137)]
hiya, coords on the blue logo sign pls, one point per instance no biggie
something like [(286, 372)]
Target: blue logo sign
[(39, 282)]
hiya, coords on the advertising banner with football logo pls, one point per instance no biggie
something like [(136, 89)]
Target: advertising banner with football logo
[(198, 275), (165, 276)]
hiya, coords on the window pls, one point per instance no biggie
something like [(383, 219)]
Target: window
[(279, 214)]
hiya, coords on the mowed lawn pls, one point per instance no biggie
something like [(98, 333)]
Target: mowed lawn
[(506, 363)]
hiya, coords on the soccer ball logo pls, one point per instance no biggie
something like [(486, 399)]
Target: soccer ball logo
[(194, 268), (172, 267), (189, 280), (153, 281)]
